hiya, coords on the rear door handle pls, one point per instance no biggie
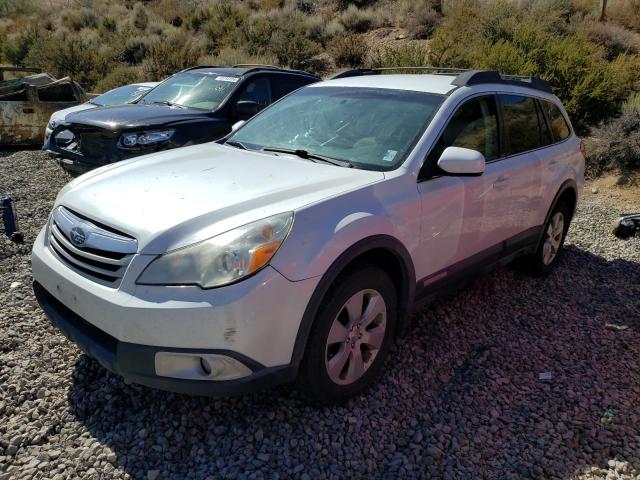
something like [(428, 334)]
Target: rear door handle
[(500, 182)]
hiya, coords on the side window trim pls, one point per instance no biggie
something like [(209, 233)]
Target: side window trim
[(453, 111)]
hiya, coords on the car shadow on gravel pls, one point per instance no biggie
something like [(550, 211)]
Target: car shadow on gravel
[(461, 396)]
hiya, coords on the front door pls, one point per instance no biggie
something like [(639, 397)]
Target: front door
[(463, 216)]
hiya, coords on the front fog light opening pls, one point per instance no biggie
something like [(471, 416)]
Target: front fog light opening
[(193, 366)]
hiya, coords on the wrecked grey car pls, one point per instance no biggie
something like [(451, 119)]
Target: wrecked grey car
[(26, 104)]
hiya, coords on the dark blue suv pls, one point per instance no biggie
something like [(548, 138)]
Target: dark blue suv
[(196, 105)]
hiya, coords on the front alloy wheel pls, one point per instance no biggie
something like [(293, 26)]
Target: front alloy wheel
[(351, 335), (356, 337)]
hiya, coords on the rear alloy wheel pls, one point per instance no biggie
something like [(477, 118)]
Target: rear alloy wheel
[(554, 231), (350, 337), (553, 238)]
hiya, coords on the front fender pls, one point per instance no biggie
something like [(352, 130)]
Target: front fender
[(323, 232)]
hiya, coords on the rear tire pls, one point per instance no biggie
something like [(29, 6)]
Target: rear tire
[(350, 338), (554, 232)]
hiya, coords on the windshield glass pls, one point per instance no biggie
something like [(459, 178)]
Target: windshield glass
[(205, 91), (120, 95), (369, 127)]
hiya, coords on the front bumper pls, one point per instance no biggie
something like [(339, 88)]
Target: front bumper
[(255, 322), (136, 363)]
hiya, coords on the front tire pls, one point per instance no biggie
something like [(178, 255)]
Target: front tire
[(350, 338)]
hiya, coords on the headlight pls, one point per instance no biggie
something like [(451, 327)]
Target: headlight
[(129, 140), (223, 259)]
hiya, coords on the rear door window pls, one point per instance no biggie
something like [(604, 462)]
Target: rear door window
[(559, 126), (258, 90), (524, 126), (282, 85)]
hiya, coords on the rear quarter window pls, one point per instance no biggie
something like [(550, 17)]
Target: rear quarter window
[(559, 126)]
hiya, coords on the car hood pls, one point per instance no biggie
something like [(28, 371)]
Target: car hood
[(123, 117), (179, 197), (61, 114)]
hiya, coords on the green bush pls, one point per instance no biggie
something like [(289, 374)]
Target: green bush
[(348, 51), (615, 146), (293, 49), (121, 75), (631, 106), (167, 55), (521, 41), (17, 47)]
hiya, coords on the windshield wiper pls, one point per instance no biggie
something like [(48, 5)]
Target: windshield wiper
[(309, 156), (170, 104), (236, 144)]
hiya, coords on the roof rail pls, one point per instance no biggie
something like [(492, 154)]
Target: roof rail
[(261, 65), (257, 67), (199, 66), (464, 77)]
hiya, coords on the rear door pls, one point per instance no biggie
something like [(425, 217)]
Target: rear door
[(525, 133)]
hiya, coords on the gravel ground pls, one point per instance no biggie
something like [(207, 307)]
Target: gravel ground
[(461, 396)]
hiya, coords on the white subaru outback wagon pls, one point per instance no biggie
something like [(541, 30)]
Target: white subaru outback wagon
[(297, 247)]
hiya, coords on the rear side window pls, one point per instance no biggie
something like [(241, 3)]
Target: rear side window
[(559, 126), (474, 126), (284, 86), (258, 90), (524, 126)]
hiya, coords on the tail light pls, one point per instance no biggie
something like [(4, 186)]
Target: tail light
[(583, 148)]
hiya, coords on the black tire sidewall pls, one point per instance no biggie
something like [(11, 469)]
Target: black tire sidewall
[(314, 379)]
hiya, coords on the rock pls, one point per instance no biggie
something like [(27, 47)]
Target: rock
[(153, 474)]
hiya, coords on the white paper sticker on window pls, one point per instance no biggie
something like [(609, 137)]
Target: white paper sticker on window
[(390, 155), (227, 79)]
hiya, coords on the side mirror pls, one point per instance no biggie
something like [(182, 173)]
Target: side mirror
[(247, 108), (237, 125), (462, 161)]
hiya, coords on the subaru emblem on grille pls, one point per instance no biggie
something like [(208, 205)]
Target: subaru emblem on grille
[(78, 237)]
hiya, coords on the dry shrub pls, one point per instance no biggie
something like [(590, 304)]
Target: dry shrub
[(419, 17), (615, 146), (409, 55), (614, 38), (76, 20), (348, 51), (625, 13), (229, 56), (357, 20)]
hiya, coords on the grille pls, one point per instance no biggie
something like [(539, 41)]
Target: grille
[(92, 143), (94, 250)]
